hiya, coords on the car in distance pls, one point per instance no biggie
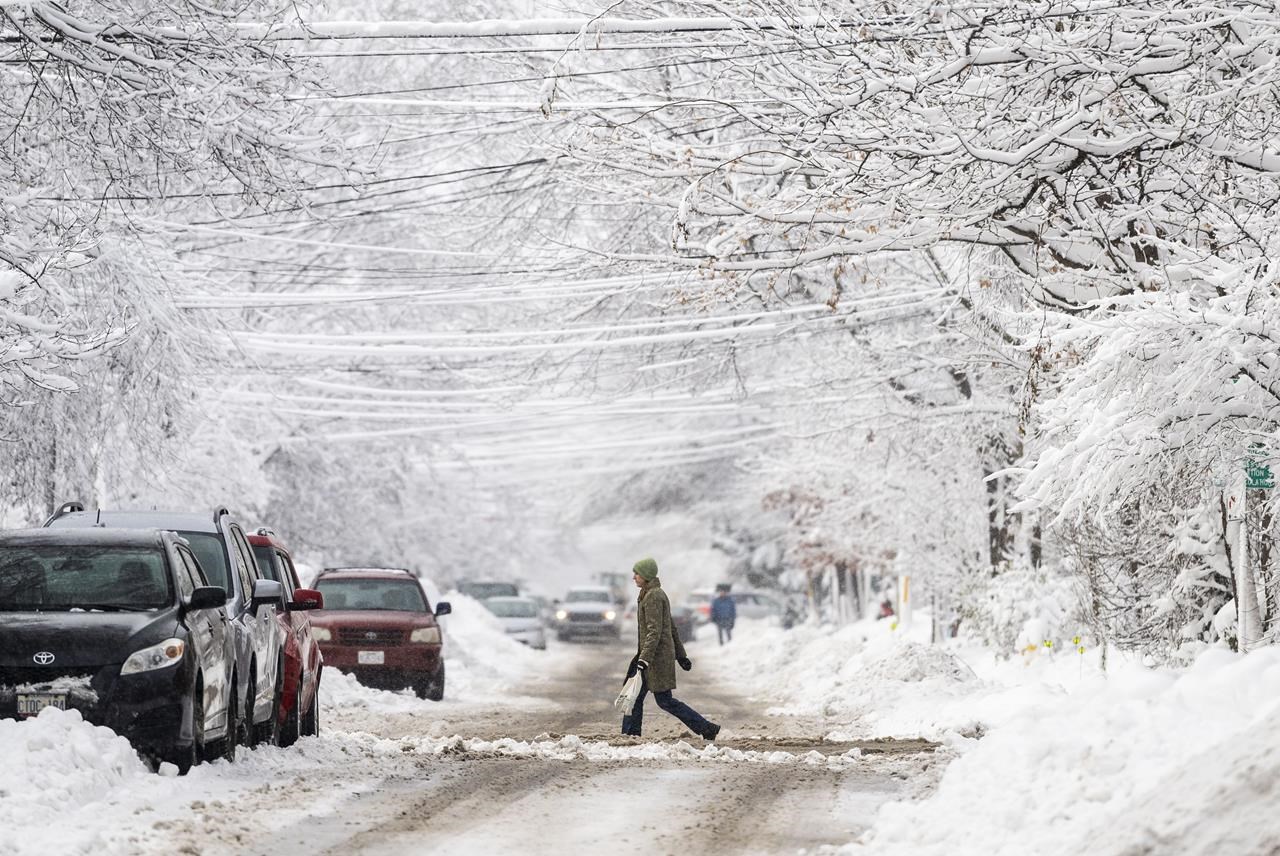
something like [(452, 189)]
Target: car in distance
[(483, 590), (122, 626), (683, 618), (588, 611), (521, 619), (378, 625), (298, 682), (220, 545), (685, 621), (750, 604)]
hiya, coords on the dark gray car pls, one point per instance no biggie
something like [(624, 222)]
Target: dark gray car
[(219, 543)]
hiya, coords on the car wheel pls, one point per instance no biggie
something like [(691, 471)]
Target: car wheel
[(311, 722), (227, 747), (268, 732), (186, 757), (435, 690), (431, 686), (292, 727), (248, 731)]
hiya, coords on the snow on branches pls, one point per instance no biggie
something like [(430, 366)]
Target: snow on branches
[(113, 110)]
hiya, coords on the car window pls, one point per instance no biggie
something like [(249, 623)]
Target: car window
[(480, 591), (513, 608), (65, 578), (212, 556), (588, 597), (375, 594), (288, 575), (187, 582), (268, 563), (246, 567)]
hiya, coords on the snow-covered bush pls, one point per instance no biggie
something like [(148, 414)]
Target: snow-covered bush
[(1019, 608)]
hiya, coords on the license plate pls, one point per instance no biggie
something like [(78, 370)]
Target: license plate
[(30, 705), (371, 658)]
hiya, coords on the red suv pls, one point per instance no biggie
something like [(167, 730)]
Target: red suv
[(378, 625), (298, 682)]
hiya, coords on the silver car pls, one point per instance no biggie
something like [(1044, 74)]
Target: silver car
[(521, 619)]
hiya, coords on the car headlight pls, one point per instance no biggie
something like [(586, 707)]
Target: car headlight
[(322, 634), (610, 615), (166, 653), (426, 634), (561, 615)]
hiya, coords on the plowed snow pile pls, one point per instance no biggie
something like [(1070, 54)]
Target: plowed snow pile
[(57, 760)]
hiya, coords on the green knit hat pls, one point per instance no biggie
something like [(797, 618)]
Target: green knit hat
[(646, 568)]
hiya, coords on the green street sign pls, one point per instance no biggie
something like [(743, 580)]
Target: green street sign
[(1258, 476)]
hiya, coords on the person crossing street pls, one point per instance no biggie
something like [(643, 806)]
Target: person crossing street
[(658, 653)]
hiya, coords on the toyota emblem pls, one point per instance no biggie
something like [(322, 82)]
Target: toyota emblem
[(371, 635), (42, 658)]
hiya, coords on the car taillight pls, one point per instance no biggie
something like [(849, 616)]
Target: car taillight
[(704, 608)]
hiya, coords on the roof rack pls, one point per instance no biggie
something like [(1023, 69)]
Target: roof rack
[(380, 569), (65, 508), (266, 531)]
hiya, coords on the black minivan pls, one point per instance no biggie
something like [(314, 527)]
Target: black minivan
[(121, 626)]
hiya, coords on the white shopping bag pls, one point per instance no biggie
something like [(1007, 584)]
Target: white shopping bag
[(630, 692)]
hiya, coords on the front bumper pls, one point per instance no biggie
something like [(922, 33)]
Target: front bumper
[(588, 628), (536, 638), (407, 662), (150, 709)]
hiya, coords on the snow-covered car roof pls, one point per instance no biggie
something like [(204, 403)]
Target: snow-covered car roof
[(188, 521), (96, 536)]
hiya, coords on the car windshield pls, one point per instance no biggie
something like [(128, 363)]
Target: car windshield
[(513, 608), (392, 595), (63, 578), (588, 597), (210, 555), (480, 591)]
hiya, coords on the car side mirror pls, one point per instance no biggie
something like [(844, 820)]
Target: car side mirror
[(267, 592), (307, 599), (443, 608), (207, 597)]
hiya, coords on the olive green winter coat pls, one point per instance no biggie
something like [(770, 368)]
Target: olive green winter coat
[(660, 645)]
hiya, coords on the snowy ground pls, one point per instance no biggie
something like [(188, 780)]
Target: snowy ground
[(1051, 753), (822, 751)]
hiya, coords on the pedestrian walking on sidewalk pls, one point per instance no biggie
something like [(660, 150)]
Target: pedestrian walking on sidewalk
[(659, 651), (724, 613)]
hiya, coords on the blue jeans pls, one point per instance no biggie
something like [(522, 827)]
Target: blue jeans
[(692, 720), (724, 632)]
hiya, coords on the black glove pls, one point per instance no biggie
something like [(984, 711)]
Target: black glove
[(685, 663), (641, 664)]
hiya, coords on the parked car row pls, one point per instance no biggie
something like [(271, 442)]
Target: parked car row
[(191, 637), (157, 625)]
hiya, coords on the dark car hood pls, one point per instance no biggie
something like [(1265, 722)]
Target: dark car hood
[(80, 638)]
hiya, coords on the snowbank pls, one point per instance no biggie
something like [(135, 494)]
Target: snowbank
[(54, 761), (1136, 762), (870, 682), (1051, 754)]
